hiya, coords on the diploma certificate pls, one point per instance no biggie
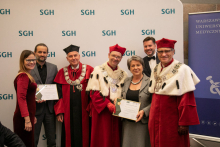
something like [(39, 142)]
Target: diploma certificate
[(127, 109), (46, 92)]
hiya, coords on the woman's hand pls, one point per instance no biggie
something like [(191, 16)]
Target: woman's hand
[(115, 100), (140, 115), (27, 124)]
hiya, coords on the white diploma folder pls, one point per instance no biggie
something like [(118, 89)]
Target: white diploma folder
[(46, 92)]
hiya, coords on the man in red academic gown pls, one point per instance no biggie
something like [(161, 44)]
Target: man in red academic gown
[(73, 101), (173, 106), (105, 84)]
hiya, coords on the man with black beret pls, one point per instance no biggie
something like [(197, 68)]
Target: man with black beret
[(73, 100)]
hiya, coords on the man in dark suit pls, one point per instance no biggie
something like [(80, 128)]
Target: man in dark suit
[(151, 59), (44, 73)]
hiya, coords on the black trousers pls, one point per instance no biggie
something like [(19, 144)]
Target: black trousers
[(48, 119)]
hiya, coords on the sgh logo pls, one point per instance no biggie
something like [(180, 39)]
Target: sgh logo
[(88, 53), (51, 54), (6, 54), (69, 33), (87, 12), (129, 53), (148, 32), (5, 11), (109, 33), (6, 96), (168, 11), (127, 12), (46, 12), (26, 33)]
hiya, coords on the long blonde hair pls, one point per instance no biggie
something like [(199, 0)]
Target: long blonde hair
[(22, 68)]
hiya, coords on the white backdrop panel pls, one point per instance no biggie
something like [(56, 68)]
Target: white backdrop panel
[(162, 18)]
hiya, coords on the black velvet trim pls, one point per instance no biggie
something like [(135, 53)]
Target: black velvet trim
[(150, 83), (122, 85), (164, 84), (177, 84), (87, 92), (117, 85), (102, 96), (105, 80), (97, 76), (91, 76)]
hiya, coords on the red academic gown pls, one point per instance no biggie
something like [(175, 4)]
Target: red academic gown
[(166, 114), (106, 128), (70, 102), (105, 131)]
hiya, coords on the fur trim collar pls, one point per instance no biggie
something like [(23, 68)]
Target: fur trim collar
[(107, 81), (175, 79)]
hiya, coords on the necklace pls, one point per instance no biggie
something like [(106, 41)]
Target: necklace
[(137, 82), (77, 81)]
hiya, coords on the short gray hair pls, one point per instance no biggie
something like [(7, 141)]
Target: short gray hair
[(136, 58)]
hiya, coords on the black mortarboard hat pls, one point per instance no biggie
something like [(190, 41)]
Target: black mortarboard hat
[(71, 48)]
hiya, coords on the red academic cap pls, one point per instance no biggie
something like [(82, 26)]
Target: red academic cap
[(165, 43), (117, 48)]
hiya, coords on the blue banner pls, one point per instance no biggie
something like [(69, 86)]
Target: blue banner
[(204, 51)]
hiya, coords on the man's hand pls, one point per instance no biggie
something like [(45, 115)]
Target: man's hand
[(140, 115), (41, 101), (183, 130), (35, 120), (60, 117), (111, 107)]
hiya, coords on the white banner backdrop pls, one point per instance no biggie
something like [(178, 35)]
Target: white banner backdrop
[(94, 25)]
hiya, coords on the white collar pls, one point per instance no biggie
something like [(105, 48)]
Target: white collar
[(77, 67)]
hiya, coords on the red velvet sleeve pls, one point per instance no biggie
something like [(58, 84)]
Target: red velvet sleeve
[(98, 102), (59, 107), (187, 110), (22, 86)]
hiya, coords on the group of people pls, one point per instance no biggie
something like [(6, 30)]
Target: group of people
[(87, 96)]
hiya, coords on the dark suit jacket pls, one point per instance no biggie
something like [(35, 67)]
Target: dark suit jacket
[(8, 138), (147, 69), (144, 96), (51, 74)]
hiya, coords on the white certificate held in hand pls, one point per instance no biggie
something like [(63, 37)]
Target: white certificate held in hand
[(46, 92), (127, 109)]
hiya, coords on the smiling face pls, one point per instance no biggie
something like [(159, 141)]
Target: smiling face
[(114, 58), (149, 48), (165, 55), (41, 53), (30, 62), (136, 68), (73, 58)]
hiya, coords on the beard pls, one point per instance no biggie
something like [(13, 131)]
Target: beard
[(41, 59)]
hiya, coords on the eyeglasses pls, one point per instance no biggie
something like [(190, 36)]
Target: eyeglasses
[(117, 57), (30, 60), (166, 51)]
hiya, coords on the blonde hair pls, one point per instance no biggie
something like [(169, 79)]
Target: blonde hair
[(22, 68)]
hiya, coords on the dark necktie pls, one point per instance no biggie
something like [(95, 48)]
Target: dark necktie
[(149, 58)]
